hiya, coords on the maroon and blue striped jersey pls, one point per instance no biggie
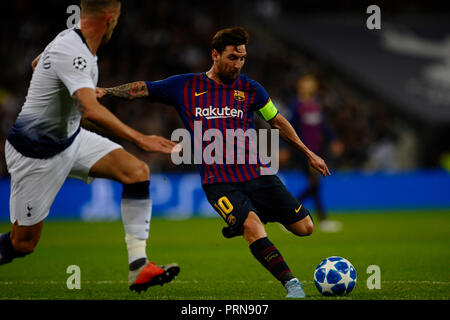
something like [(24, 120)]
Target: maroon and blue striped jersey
[(200, 100)]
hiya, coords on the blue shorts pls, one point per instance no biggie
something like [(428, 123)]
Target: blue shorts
[(267, 196)]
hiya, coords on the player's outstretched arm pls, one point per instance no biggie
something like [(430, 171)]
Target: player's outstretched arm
[(130, 91), (288, 134), (91, 109)]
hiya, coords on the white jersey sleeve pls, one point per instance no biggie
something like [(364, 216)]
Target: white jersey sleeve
[(73, 66), (50, 120)]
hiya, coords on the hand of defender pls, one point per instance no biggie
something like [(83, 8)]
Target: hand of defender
[(153, 143), (100, 92), (319, 164)]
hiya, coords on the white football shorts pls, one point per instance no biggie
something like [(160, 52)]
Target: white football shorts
[(36, 182)]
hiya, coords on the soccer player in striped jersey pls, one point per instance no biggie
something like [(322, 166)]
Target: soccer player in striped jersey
[(246, 195)]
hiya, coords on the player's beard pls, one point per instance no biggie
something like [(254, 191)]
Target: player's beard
[(227, 76)]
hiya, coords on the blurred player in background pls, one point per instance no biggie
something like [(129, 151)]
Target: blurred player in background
[(308, 119), (245, 195), (47, 144)]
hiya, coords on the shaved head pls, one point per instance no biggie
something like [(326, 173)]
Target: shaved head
[(95, 7)]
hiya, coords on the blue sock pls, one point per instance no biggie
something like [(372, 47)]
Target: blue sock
[(268, 255), (139, 190), (7, 250)]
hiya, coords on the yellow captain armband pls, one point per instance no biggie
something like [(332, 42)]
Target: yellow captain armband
[(268, 112)]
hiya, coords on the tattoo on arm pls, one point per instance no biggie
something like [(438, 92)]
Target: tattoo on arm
[(79, 104), (129, 91)]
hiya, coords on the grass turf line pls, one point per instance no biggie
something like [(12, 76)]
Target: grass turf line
[(411, 249)]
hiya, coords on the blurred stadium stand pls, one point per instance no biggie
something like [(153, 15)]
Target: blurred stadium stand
[(380, 103)]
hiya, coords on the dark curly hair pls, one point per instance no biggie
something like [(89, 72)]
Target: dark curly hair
[(234, 36)]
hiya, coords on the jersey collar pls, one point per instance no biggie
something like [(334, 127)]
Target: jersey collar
[(231, 85), (78, 31)]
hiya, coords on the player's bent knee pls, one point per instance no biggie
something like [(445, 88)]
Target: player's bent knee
[(144, 171), (24, 247), (308, 228), (253, 228), (141, 172), (24, 239), (138, 172), (302, 228), (252, 221)]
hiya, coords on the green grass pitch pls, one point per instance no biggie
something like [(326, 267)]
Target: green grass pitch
[(411, 248)]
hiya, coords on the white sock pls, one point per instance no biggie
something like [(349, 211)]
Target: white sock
[(135, 247), (136, 216)]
